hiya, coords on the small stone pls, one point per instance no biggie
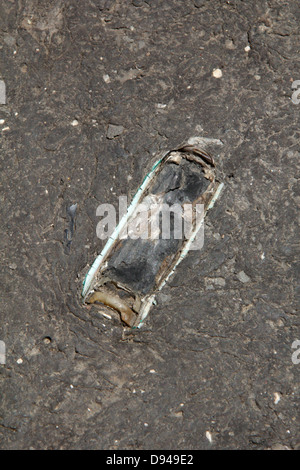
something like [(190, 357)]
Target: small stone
[(219, 281), (247, 48), (199, 3), (277, 398), (2, 352), (113, 131), (217, 73), (242, 276), (106, 315), (2, 92), (74, 123), (229, 44), (20, 361), (106, 78), (2, 121)]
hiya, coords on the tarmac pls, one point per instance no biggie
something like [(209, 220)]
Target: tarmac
[(93, 91)]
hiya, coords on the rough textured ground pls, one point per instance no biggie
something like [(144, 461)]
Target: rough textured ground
[(94, 89)]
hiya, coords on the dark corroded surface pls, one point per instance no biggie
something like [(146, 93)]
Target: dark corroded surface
[(94, 89), (141, 264)]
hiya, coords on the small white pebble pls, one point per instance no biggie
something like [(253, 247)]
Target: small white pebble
[(74, 123), (5, 129), (71, 386), (217, 73), (146, 425), (277, 398), (106, 315), (152, 371), (20, 361), (247, 48), (161, 105), (262, 256), (208, 436), (106, 78), (2, 121)]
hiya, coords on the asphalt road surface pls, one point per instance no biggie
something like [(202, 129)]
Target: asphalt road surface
[(94, 89)]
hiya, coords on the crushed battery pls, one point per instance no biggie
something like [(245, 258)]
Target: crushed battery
[(130, 271)]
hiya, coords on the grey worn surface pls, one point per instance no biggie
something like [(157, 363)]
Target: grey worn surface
[(215, 354)]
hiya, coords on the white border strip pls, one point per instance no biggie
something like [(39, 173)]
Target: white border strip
[(87, 283)]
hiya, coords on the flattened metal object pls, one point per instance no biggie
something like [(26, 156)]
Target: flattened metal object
[(130, 271)]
